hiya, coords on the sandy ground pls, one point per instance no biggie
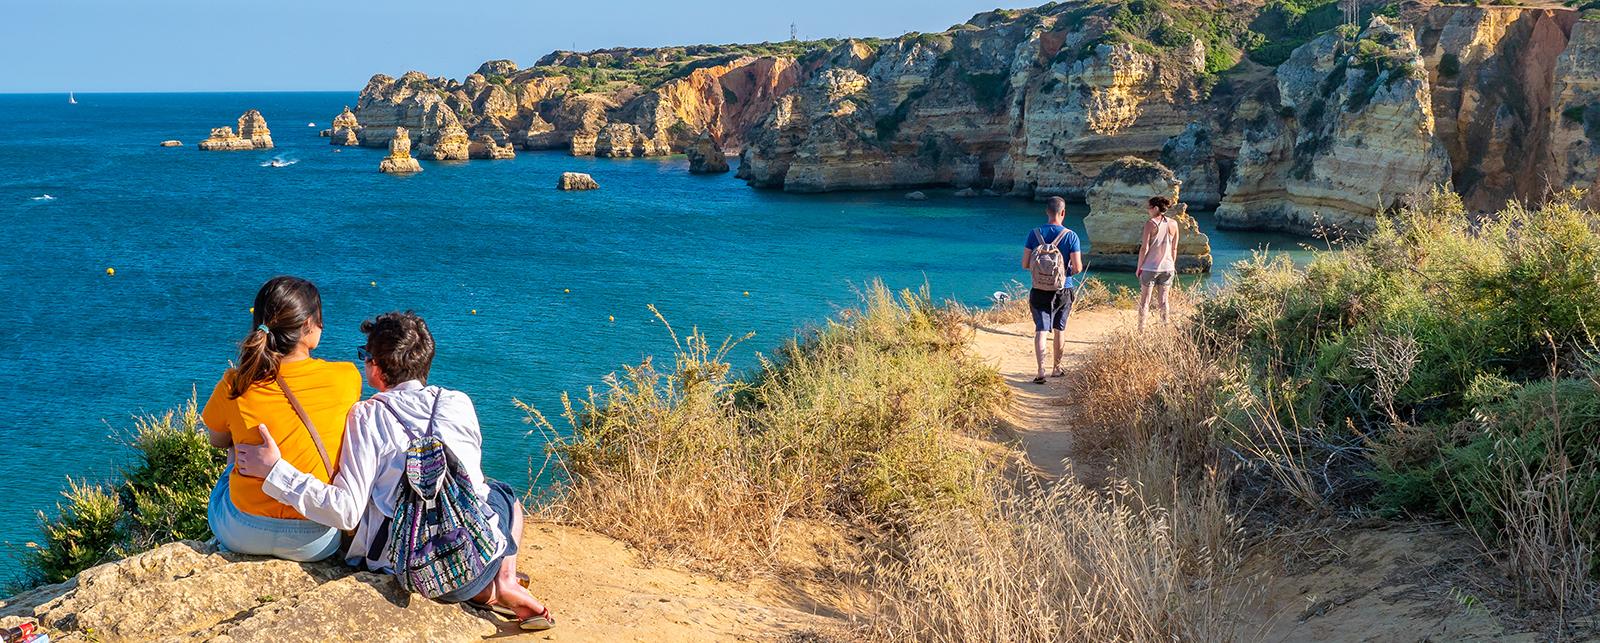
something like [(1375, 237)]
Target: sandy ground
[(598, 591)]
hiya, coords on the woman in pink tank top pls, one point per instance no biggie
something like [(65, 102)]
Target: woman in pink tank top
[(1158, 257)]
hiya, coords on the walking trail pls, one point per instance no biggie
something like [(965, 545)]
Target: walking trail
[(1372, 581)]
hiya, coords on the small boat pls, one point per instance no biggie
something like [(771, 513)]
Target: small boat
[(311, 124), (279, 161), (71, 100)]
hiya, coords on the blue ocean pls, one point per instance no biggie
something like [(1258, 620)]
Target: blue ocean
[(529, 291)]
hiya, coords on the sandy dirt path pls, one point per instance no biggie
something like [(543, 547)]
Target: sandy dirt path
[(1040, 413)]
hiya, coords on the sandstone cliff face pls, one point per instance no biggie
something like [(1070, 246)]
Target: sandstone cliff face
[(706, 157), (1350, 133), (1575, 113), (252, 135), (399, 160), (538, 109), (1118, 203), (1492, 74)]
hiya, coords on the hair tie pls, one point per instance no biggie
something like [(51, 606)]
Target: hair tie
[(263, 328)]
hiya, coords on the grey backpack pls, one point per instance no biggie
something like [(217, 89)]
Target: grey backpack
[(1049, 265)]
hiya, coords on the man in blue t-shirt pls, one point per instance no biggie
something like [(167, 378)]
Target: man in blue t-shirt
[(1051, 308)]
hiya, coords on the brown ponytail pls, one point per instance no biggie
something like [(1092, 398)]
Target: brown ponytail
[(283, 306)]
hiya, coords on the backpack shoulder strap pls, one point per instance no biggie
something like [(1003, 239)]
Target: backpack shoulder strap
[(411, 432), (327, 463), (1040, 236), (1063, 236)]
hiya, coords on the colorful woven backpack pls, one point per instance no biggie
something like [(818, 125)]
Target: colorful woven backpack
[(440, 539)]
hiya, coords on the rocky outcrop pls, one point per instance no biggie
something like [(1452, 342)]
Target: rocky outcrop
[(1575, 113), (1492, 75), (345, 127), (442, 137), (537, 109), (172, 143), (577, 181), (190, 591), (1194, 161), (1118, 209), (1347, 133), (399, 160), (706, 156), (252, 135)]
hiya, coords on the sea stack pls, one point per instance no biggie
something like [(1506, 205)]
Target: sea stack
[(706, 156), (344, 128), (577, 181), (253, 135), (1118, 203), (172, 143), (399, 160)]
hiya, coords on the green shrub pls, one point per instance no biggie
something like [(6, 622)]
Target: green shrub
[(162, 498), (1449, 65), (988, 88)]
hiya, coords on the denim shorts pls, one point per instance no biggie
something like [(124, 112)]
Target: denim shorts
[(502, 499), (287, 538)]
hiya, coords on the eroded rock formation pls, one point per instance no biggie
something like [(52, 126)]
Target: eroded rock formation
[(577, 181), (539, 108), (252, 135), (1575, 113), (706, 156), (399, 160), (1347, 132), (1118, 203), (344, 128)]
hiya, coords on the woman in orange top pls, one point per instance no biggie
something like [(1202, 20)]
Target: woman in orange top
[(275, 371)]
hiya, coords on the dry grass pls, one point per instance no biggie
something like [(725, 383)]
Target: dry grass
[(1156, 386), (854, 423)]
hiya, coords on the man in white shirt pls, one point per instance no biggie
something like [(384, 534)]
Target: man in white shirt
[(364, 494)]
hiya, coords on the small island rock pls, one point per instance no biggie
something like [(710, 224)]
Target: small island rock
[(577, 181), (399, 160), (253, 135), (172, 143), (916, 196), (1118, 209), (706, 156), (966, 193), (344, 128)]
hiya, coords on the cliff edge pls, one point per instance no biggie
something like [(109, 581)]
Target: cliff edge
[(187, 591)]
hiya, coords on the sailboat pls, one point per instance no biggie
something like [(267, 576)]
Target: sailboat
[(71, 100)]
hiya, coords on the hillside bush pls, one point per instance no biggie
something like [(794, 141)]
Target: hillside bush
[(160, 498)]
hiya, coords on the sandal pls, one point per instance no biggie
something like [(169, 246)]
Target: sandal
[(1058, 372), (1038, 380), (538, 622), (498, 609)]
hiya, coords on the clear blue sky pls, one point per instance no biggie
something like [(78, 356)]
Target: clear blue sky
[(225, 45)]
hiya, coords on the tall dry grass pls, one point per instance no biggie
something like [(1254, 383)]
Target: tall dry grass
[(856, 421)]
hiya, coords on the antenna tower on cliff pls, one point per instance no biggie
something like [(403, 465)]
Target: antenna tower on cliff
[(1352, 12), (794, 33)]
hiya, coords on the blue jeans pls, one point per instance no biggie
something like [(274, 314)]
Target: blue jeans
[(290, 539)]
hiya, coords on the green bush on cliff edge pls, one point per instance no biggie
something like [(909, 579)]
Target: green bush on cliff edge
[(161, 498)]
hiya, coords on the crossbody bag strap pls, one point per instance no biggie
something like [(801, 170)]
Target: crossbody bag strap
[(327, 463)]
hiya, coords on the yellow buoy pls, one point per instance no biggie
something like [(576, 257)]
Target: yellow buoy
[(374, 283), (566, 290), (747, 293), (611, 317), (252, 310), (111, 272), (474, 311)]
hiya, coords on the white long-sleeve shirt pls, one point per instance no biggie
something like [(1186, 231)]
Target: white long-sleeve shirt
[(372, 465)]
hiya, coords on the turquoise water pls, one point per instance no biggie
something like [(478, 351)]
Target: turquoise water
[(193, 234)]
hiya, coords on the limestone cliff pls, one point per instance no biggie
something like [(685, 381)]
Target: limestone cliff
[(1347, 132), (1118, 203), (500, 107), (252, 135), (1575, 112), (1492, 76)]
